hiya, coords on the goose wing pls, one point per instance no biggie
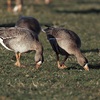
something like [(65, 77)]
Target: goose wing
[(8, 33), (11, 36)]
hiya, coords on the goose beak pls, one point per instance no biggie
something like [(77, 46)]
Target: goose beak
[(86, 67), (38, 64), (43, 31)]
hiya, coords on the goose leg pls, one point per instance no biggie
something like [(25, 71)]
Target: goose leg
[(17, 59), (60, 66), (58, 63)]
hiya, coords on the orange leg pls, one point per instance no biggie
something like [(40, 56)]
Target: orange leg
[(17, 59), (9, 6), (37, 1), (61, 66), (48, 1), (58, 63)]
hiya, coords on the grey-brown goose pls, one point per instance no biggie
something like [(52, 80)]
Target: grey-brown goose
[(21, 40), (30, 23), (65, 42)]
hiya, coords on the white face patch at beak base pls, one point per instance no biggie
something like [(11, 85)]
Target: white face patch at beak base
[(86, 67), (43, 31), (39, 63)]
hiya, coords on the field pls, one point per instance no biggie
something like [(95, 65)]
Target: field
[(49, 82)]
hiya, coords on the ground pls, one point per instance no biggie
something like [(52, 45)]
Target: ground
[(49, 82)]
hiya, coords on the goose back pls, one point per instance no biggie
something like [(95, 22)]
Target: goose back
[(30, 23), (18, 39)]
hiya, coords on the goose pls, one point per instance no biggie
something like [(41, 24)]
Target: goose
[(21, 40), (30, 23), (65, 42)]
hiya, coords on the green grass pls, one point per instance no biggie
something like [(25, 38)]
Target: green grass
[(48, 82)]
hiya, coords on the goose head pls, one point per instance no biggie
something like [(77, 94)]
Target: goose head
[(48, 30)]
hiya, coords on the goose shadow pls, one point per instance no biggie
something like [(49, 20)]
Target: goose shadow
[(91, 50), (7, 25), (87, 2), (89, 11), (95, 66)]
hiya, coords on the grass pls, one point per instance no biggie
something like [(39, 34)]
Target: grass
[(48, 82)]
